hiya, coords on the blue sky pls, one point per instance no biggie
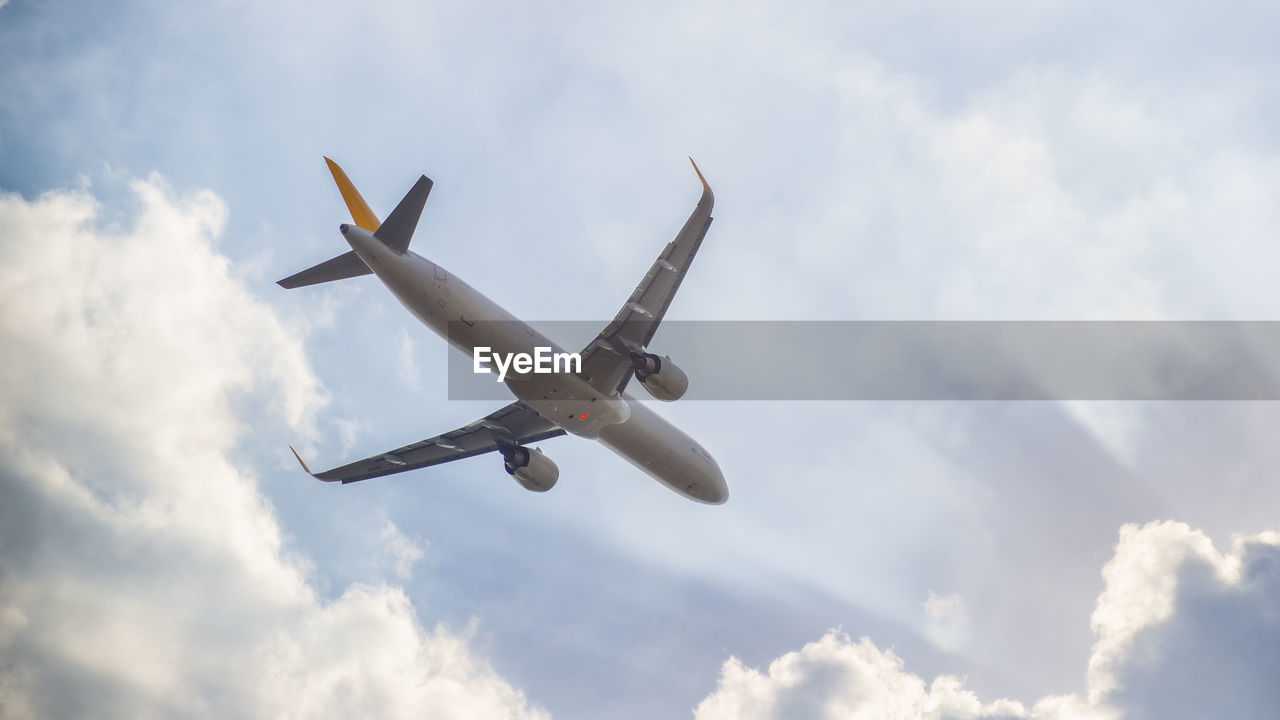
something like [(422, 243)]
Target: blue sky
[(160, 168)]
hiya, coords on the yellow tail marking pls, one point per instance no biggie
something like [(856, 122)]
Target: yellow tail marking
[(295, 452), (705, 186), (360, 211)]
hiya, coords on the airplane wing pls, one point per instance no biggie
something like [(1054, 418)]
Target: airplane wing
[(606, 361), (514, 424)]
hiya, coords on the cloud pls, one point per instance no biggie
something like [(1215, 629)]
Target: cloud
[(838, 678), (1184, 631), (1181, 631), (348, 432), (948, 625), (402, 550), (407, 362), (143, 573)]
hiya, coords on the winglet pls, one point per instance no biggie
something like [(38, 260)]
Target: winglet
[(360, 211), (708, 198), (705, 186), (295, 454)]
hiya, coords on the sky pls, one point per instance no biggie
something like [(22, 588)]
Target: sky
[(162, 555)]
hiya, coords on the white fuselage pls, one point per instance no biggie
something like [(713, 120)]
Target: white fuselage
[(468, 319)]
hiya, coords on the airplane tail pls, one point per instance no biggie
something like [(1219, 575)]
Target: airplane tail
[(395, 233)]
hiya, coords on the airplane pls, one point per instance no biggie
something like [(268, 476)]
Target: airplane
[(590, 402)]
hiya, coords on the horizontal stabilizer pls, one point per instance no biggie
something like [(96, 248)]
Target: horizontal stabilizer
[(346, 265), (397, 230)]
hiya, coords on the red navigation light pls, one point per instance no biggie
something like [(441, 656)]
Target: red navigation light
[(583, 416)]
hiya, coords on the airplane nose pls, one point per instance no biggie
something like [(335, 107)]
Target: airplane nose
[(343, 228), (719, 495), (716, 489)]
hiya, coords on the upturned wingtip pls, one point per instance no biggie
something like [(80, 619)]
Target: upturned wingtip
[(300, 462), (705, 186)]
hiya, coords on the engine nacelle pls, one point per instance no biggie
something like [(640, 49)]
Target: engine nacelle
[(533, 470), (662, 378)]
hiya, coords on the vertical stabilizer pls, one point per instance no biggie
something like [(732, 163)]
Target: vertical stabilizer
[(360, 211)]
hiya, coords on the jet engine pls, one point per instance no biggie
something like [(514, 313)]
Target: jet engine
[(662, 378), (533, 470)]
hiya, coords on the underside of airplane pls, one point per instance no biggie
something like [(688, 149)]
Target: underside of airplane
[(590, 402)]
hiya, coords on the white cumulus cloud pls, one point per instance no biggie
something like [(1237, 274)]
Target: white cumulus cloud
[(838, 678), (1181, 631), (142, 573)]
